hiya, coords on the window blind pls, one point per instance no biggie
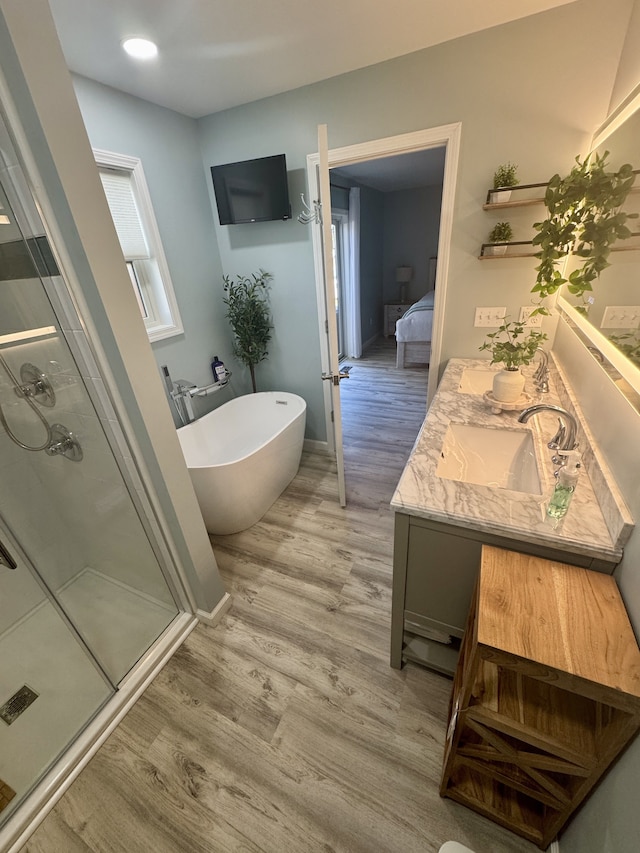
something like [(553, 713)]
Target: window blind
[(124, 212)]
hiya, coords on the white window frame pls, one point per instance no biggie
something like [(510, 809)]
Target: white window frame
[(163, 320)]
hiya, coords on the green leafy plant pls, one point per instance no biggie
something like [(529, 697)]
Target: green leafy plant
[(629, 344), (505, 176), (511, 345), (585, 218), (248, 312), (501, 232)]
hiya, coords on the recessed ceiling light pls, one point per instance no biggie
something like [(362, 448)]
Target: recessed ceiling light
[(140, 48)]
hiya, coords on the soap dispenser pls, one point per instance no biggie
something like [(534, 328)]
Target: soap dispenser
[(565, 485)]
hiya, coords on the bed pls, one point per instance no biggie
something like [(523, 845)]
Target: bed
[(413, 333)]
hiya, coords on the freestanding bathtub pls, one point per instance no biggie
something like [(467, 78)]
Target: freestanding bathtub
[(242, 456)]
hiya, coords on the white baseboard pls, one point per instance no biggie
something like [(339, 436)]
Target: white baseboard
[(313, 446), (217, 613), (554, 847)]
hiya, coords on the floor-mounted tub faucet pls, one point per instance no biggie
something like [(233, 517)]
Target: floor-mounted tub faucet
[(180, 393)]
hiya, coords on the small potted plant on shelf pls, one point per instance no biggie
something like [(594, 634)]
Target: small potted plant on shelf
[(512, 346), (504, 176), (502, 232)]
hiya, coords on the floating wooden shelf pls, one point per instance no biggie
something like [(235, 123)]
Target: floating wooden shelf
[(546, 693), (487, 253), (491, 204)]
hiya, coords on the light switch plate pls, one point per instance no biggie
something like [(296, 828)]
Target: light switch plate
[(621, 317), (489, 317)]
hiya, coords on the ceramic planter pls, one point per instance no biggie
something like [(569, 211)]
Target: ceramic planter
[(508, 385)]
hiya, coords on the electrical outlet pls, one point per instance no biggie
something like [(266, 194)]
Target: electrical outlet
[(489, 317), (621, 317), (529, 321)]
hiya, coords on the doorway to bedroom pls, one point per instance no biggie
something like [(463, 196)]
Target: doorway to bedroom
[(393, 233), (375, 273)]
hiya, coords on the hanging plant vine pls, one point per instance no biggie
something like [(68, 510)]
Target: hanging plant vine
[(585, 218)]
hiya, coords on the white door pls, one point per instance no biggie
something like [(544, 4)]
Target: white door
[(332, 375)]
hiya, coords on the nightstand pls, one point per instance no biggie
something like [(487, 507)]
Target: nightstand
[(393, 311)]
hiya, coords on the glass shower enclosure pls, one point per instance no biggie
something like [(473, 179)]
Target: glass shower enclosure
[(84, 591)]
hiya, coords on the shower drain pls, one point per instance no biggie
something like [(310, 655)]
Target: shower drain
[(18, 703)]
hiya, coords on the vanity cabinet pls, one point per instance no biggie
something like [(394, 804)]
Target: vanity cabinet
[(546, 694), (435, 567)]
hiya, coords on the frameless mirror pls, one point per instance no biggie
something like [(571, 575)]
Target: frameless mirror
[(609, 322)]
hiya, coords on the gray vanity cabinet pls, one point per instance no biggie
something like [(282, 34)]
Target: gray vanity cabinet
[(435, 566)]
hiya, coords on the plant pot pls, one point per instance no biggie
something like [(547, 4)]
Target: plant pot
[(508, 385), (496, 250), (500, 196)]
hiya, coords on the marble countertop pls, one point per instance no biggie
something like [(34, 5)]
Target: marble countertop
[(421, 492)]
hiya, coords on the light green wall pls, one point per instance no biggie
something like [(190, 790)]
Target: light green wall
[(530, 92), (167, 144)]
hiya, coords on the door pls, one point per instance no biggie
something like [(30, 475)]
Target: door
[(331, 375)]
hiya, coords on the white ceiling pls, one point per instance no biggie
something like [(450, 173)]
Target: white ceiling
[(215, 54)]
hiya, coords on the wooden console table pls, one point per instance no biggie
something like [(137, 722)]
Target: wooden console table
[(546, 694)]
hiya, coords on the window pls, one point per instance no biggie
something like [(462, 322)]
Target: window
[(130, 205)]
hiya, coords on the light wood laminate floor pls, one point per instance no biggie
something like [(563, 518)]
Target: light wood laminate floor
[(283, 729)]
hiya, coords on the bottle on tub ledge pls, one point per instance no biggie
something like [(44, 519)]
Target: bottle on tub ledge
[(219, 370)]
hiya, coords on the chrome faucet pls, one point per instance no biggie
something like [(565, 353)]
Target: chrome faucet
[(181, 393), (565, 438), (541, 376)]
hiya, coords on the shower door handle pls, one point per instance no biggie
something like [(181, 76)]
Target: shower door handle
[(6, 559)]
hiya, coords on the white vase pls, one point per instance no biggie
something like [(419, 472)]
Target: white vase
[(508, 385), (500, 196)]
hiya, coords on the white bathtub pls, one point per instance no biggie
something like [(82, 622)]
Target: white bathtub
[(242, 456)]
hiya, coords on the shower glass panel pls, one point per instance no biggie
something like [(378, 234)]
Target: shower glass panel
[(88, 595)]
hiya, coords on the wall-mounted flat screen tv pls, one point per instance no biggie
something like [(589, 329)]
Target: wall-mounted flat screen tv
[(252, 190)]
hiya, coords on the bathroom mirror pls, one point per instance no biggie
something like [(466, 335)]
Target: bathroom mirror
[(610, 328)]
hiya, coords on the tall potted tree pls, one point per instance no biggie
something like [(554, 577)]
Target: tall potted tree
[(248, 312)]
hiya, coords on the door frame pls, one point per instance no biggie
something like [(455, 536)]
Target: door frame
[(445, 135)]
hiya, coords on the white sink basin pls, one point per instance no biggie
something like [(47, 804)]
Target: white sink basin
[(476, 380), (501, 458)]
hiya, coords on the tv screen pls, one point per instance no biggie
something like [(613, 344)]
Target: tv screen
[(252, 190)]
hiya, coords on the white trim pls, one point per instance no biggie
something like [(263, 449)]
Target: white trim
[(616, 120), (217, 613), (169, 322), (23, 823), (554, 847)]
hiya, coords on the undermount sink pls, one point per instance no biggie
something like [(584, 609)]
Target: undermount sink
[(487, 456), (476, 380)]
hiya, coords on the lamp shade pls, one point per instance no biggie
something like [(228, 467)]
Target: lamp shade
[(403, 274)]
